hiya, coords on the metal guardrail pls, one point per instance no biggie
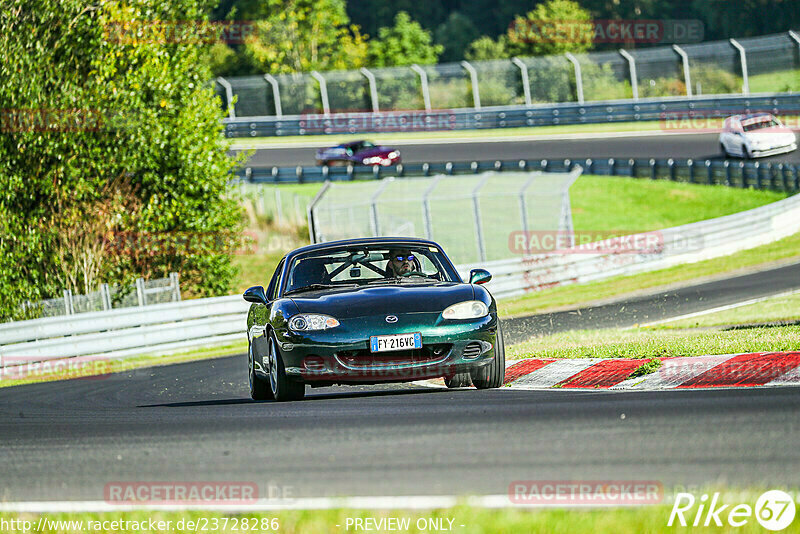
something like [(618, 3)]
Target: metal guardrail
[(131, 331), (653, 109), (733, 173), (674, 246)]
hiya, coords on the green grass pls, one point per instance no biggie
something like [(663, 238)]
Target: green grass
[(781, 308), (136, 362), (655, 343), (772, 82), (520, 519), (616, 203), (584, 294)]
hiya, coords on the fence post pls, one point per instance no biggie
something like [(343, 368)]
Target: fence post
[(68, 309), (473, 76), (709, 173), (276, 94), (612, 167), (671, 165), (632, 69), (323, 92), (727, 165), (175, 283), (757, 167), (653, 170), (687, 79), (426, 207), (140, 292), (523, 209), (105, 294), (278, 207), (312, 230), (423, 80), (477, 213), (743, 173), (578, 79), (690, 164), (526, 86), (632, 166), (373, 88), (743, 59), (228, 96), (376, 229)]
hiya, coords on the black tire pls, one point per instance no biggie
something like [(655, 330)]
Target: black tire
[(492, 375), (458, 380), (745, 152), (259, 388), (281, 387), (724, 152)]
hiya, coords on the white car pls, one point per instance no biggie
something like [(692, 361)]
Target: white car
[(755, 135)]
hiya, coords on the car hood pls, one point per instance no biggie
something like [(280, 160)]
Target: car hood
[(771, 134), (384, 299), (374, 151)]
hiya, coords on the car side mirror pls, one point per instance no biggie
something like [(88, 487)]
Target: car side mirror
[(255, 294), (479, 276)]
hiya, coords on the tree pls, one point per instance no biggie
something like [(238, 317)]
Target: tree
[(553, 27), (110, 134), (486, 48), (304, 35), (455, 34), (405, 43)]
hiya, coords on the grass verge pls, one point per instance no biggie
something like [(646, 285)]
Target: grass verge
[(650, 343), (462, 519), (48, 372)]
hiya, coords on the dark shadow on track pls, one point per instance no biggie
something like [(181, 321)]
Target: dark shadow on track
[(321, 396)]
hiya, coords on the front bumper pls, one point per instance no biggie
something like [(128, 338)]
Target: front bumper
[(771, 151), (342, 355)]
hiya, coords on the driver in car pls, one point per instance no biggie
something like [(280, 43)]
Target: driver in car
[(401, 262)]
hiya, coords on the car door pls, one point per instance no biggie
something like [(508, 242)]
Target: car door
[(261, 314)]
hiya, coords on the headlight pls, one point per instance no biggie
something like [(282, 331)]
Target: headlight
[(393, 154), (469, 309), (312, 321)]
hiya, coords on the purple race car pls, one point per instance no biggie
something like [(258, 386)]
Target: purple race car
[(358, 153)]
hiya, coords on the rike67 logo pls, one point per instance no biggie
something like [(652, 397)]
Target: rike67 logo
[(774, 510)]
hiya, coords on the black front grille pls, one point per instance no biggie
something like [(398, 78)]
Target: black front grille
[(472, 350), (364, 359)]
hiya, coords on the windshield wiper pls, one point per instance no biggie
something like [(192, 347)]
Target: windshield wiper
[(312, 287)]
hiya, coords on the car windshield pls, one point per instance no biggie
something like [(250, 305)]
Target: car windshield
[(376, 264), (760, 123)]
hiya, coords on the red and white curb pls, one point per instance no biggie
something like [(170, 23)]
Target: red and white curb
[(729, 370)]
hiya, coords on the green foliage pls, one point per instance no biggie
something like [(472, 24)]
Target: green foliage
[(128, 149), (650, 366), (455, 34), (304, 35), (486, 48), (714, 80), (405, 43), (553, 27)]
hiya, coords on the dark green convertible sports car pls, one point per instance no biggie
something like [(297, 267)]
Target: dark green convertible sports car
[(369, 311)]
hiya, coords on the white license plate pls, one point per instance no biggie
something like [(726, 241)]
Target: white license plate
[(395, 342)]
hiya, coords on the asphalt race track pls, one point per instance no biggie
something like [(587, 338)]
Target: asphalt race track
[(195, 422), (696, 146)]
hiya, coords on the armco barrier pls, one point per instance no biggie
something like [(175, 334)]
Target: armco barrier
[(682, 244), (652, 109), (130, 331), (733, 173)]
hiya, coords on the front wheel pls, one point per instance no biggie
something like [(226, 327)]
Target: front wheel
[(458, 380), (492, 375), (259, 388), (281, 387)]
